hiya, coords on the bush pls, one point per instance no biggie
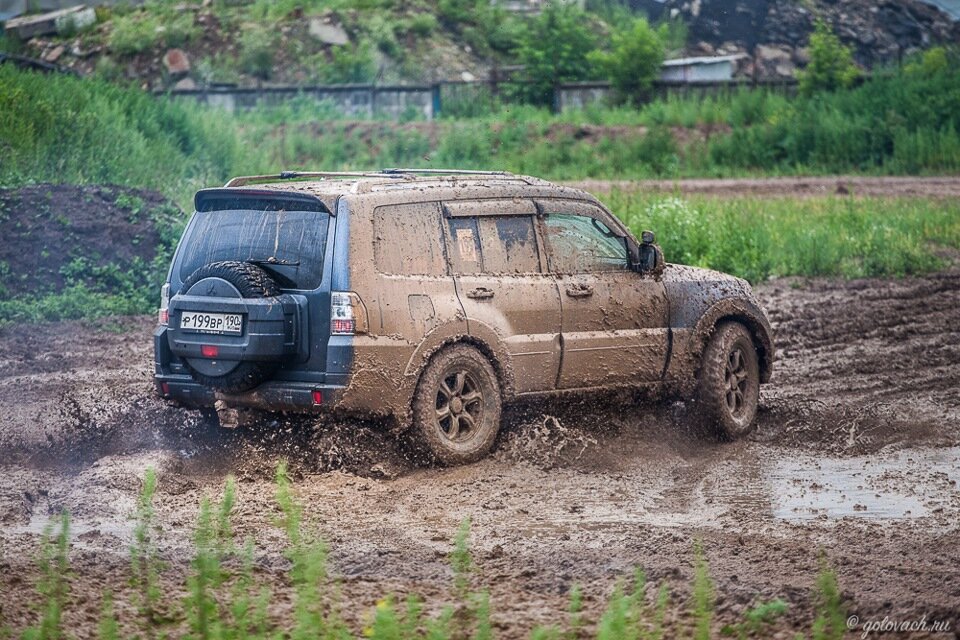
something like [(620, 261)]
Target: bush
[(555, 49), (831, 63), (634, 60), (257, 46)]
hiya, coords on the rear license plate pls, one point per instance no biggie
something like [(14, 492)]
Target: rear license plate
[(225, 323)]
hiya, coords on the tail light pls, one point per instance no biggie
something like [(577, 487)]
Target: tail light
[(163, 316), (348, 316)]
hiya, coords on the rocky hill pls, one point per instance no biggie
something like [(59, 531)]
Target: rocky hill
[(774, 33), (165, 44)]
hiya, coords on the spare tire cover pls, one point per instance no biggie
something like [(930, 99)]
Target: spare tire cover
[(230, 279)]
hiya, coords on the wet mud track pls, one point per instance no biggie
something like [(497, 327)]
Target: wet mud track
[(857, 455)]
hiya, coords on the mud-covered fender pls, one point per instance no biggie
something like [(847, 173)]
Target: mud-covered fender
[(699, 299), (484, 337), (480, 335), (750, 315)]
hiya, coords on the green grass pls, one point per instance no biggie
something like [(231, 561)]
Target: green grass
[(758, 238), (231, 595), (65, 129), (87, 131)]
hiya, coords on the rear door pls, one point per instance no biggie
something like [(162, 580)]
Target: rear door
[(614, 319), (287, 234), (499, 268)]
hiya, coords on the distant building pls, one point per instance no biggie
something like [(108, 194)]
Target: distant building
[(531, 6), (700, 69), (949, 7)]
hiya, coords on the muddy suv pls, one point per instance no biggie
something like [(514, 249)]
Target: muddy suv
[(433, 297)]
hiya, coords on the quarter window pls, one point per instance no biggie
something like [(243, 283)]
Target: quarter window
[(580, 244), (407, 240)]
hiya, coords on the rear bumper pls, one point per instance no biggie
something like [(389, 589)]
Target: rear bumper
[(172, 380), (269, 396)]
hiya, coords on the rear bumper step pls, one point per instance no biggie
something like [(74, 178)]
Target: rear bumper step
[(271, 396)]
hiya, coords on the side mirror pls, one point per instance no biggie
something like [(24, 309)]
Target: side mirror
[(650, 256)]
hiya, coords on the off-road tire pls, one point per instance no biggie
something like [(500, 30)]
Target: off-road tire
[(457, 421), (728, 384), (252, 282)]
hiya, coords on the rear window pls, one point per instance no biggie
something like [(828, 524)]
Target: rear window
[(288, 243)]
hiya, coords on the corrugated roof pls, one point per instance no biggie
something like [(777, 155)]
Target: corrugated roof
[(683, 62), (949, 7)]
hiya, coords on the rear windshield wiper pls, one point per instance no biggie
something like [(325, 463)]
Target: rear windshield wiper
[(273, 261)]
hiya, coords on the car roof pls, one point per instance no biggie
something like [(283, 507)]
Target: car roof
[(331, 184), (397, 185)]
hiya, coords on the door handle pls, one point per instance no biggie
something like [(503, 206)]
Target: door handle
[(480, 293), (580, 291)]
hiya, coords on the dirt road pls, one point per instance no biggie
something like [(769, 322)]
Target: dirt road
[(857, 454), (890, 187)]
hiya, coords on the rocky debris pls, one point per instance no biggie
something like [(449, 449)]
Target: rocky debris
[(186, 84), (776, 32), (61, 22), (328, 33), (774, 61), (176, 63), (54, 54)]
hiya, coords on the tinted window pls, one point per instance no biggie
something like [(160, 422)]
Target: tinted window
[(579, 244), (288, 244), (509, 244), (464, 247), (407, 240)]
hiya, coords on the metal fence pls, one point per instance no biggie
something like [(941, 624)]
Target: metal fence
[(462, 99)]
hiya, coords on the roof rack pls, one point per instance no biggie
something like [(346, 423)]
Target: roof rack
[(240, 181)]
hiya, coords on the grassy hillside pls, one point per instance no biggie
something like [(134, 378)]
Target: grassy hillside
[(68, 130), (307, 41)]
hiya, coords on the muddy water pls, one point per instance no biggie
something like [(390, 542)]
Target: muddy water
[(856, 453), (910, 483)]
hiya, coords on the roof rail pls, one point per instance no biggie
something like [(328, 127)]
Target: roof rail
[(240, 181), (444, 172)]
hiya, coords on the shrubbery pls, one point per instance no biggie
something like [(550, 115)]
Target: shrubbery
[(554, 49), (634, 60), (831, 63)]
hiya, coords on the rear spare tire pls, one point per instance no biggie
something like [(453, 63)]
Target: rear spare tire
[(230, 279)]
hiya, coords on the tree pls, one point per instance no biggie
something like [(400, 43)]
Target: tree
[(634, 59), (554, 49), (831, 63)]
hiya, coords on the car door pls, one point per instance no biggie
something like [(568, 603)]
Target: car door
[(498, 266), (614, 319)]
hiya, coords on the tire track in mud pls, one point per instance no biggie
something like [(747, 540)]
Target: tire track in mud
[(576, 491)]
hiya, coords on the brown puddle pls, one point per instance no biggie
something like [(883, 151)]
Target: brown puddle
[(906, 484)]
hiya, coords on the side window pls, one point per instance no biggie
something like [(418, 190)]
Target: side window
[(509, 244), (407, 240), (464, 249), (580, 244)]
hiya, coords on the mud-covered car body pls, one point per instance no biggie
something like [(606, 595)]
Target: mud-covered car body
[(378, 272)]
